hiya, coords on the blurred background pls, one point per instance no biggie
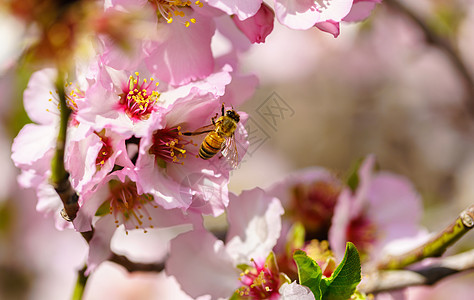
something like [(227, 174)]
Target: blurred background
[(381, 87)]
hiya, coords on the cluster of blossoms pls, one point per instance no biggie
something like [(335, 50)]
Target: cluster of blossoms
[(311, 210), (141, 108)]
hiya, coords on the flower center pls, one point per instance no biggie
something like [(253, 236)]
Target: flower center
[(321, 5), (313, 205), (168, 146), (168, 9), (362, 233), (139, 98), (127, 205), (259, 282), (105, 151)]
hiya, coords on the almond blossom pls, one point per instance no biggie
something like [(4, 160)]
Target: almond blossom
[(115, 202), (384, 207), (33, 148), (127, 100), (178, 47), (309, 197), (302, 14), (168, 167), (254, 227)]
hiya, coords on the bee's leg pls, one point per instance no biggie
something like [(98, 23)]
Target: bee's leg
[(214, 119)]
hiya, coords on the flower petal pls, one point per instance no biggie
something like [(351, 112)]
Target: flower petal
[(294, 291), (254, 225), (201, 265), (185, 53), (241, 8), (36, 97)]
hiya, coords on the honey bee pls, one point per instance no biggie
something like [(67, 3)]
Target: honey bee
[(220, 136)]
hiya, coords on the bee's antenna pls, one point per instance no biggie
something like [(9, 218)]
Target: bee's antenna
[(223, 108)]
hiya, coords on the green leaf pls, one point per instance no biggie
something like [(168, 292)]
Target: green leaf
[(344, 280), (309, 272)]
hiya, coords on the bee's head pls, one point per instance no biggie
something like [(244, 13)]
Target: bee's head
[(233, 115)]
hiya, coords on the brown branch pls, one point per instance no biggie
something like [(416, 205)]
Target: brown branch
[(122, 260), (383, 281), (434, 247), (59, 175), (435, 40), (131, 266)]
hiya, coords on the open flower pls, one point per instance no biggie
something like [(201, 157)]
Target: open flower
[(177, 48), (33, 148), (122, 101), (309, 197), (115, 202), (168, 165), (254, 227), (302, 14), (126, 101), (92, 158), (384, 207)]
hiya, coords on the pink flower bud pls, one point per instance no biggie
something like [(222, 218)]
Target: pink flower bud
[(257, 27)]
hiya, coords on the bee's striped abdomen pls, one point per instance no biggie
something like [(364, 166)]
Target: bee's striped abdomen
[(211, 145)]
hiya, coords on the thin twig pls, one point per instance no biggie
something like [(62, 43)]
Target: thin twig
[(435, 40), (131, 266), (436, 246), (59, 175), (383, 281)]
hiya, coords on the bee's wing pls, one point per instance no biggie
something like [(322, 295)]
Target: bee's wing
[(204, 129), (229, 151)]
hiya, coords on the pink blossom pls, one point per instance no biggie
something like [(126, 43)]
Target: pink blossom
[(177, 49), (92, 158), (257, 27), (168, 166), (121, 100), (383, 208), (126, 100), (115, 202), (254, 227), (360, 10), (185, 53), (34, 147), (309, 196), (303, 14), (242, 87)]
